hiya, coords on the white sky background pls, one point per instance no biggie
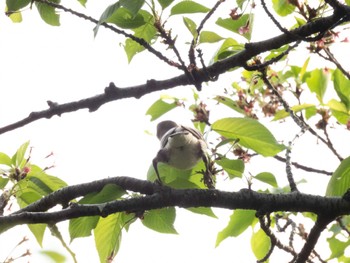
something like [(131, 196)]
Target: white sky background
[(39, 63)]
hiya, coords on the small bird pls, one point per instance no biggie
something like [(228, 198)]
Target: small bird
[(180, 147)]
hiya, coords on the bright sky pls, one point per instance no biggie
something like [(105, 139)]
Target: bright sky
[(40, 63)]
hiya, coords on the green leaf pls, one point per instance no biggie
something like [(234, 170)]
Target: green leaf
[(159, 108), (318, 82), (188, 7), (41, 179), (176, 178), (18, 158), (82, 226), (165, 3), (48, 13), (260, 244), (147, 32), (54, 256), (341, 86), (3, 182), (337, 247), (5, 159), (228, 48), (191, 26), (16, 16), (82, 2), (281, 114), (240, 220), (161, 220), (133, 6), (15, 5), (283, 7), (243, 26), (109, 193), (209, 37), (251, 134), (234, 168), (339, 111), (240, 3), (340, 180), (268, 178), (229, 103), (38, 231), (123, 18), (108, 234), (203, 211)]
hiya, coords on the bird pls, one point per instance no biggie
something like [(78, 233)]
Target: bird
[(181, 147)]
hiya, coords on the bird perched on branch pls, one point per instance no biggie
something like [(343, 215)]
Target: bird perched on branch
[(181, 147)]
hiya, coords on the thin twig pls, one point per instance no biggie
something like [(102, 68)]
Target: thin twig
[(292, 184), (303, 167), (336, 62), (330, 144), (271, 61), (138, 40), (199, 29), (300, 122), (265, 226), (287, 32)]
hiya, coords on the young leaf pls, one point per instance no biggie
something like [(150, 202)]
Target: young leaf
[(268, 178), (5, 159), (159, 108), (108, 234), (251, 134), (147, 32), (82, 226), (54, 256), (243, 26), (283, 7), (38, 231), (191, 26), (337, 247), (260, 244), (48, 14), (340, 180), (161, 220), (317, 83), (234, 168), (240, 220), (339, 111), (17, 4), (165, 3), (188, 7), (229, 103), (202, 211), (341, 86), (18, 158), (209, 37), (228, 48), (3, 182), (281, 114), (123, 18)]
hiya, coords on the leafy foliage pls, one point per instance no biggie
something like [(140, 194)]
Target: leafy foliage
[(264, 91)]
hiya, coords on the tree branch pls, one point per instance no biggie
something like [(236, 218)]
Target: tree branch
[(156, 196), (320, 224), (240, 59)]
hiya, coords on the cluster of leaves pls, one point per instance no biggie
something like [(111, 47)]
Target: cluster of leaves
[(242, 137)]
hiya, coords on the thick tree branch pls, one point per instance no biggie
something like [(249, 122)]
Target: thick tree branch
[(320, 225), (161, 196), (240, 59)]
